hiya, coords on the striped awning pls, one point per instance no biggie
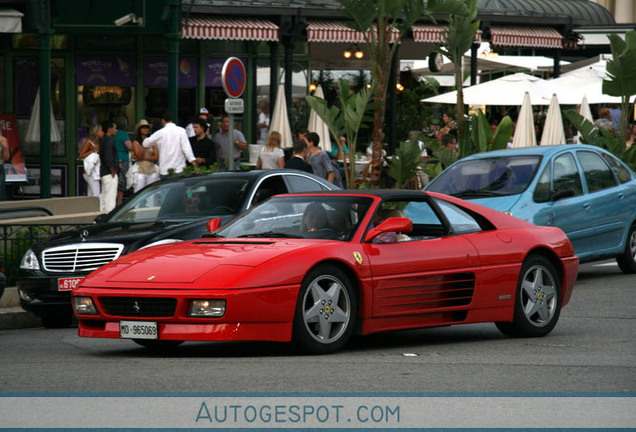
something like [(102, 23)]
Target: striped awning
[(430, 33), (244, 29), (333, 31), (525, 37)]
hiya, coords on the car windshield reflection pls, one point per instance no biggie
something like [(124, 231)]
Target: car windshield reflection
[(489, 177), (197, 197), (327, 218)]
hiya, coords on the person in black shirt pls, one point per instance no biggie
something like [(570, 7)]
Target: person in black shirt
[(297, 161), (203, 147), (108, 167)]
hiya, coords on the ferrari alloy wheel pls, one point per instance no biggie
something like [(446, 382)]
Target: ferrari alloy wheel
[(158, 344), (326, 310), (538, 300), (627, 261)]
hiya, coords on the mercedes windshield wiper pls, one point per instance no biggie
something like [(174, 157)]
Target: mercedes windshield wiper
[(272, 234)]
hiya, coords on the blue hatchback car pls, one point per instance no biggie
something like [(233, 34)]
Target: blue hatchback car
[(582, 189)]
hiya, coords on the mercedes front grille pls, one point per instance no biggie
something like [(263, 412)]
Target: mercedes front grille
[(80, 257)]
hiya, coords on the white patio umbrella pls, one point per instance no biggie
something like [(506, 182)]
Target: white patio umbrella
[(553, 133), (586, 113), (587, 81), (507, 90), (33, 129), (316, 124), (524, 130), (280, 119)]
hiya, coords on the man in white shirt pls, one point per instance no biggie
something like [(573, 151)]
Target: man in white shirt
[(173, 144)]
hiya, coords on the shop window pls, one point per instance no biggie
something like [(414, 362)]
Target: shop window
[(26, 85)]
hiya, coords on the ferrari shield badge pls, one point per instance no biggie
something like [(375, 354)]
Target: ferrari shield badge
[(358, 257)]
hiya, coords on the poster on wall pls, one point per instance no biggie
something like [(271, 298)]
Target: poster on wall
[(156, 72), (14, 168), (105, 70)]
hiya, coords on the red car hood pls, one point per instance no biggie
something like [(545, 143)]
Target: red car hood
[(183, 263)]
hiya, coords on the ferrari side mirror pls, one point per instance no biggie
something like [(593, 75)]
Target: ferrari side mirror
[(393, 224)]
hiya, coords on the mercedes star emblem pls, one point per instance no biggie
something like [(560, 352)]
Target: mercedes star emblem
[(84, 235)]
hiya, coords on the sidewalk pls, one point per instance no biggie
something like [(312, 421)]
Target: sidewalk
[(12, 316)]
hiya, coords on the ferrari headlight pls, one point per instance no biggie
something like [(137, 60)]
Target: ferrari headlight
[(30, 261), (84, 306), (207, 308)]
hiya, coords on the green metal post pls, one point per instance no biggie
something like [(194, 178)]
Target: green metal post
[(173, 59), (45, 99)]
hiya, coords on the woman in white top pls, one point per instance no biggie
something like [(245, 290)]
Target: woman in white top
[(89, 154), (272, 156)]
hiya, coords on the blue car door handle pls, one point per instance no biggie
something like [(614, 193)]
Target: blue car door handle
[(620, 195), (587, 205)]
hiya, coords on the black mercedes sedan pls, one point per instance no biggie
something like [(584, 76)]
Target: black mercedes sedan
[(166, 211)]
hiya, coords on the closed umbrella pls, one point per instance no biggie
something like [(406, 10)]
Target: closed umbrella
[(317, 125), (524, 130), (280, 119), (33, 129), (553, 133), (586, 113)]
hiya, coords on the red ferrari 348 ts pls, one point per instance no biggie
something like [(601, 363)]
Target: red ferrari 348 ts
[(316, 268)]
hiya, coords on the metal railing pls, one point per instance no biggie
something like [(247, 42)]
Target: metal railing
[(16, 239)]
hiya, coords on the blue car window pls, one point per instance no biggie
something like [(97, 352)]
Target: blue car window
[(598, 175), (619, 169), (487, 177), (542, 191), (460, 221), (566, 175)]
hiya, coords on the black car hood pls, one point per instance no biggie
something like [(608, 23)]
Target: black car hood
[(131, 235)]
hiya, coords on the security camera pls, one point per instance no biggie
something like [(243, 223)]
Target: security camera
[(125, 19)]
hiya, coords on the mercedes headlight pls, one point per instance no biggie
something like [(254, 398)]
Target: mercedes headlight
[(30, 261)]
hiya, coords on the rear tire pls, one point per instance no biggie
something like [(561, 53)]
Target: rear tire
[(627, 261), (537, 301), (326, 311)]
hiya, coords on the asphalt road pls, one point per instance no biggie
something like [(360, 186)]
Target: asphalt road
[(592, 349)]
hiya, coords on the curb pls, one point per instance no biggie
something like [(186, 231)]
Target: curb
[(12, 316)]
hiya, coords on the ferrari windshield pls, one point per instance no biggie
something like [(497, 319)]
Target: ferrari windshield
[(195, 197), (488, 177), (316, 217)]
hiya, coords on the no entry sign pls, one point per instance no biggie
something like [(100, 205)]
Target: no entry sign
[(233, 77)]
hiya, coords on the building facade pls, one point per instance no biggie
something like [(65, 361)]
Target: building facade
[(92, 61)]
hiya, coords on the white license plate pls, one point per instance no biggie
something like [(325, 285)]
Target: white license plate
[(68, 284), (138, 330)]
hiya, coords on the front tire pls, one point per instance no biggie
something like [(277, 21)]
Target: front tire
[(326, 311), (627, 261), (537, 301)]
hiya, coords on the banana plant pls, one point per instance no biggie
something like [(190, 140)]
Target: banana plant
[(346, 120), (383, 23), (459, 39), (621, 71)]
